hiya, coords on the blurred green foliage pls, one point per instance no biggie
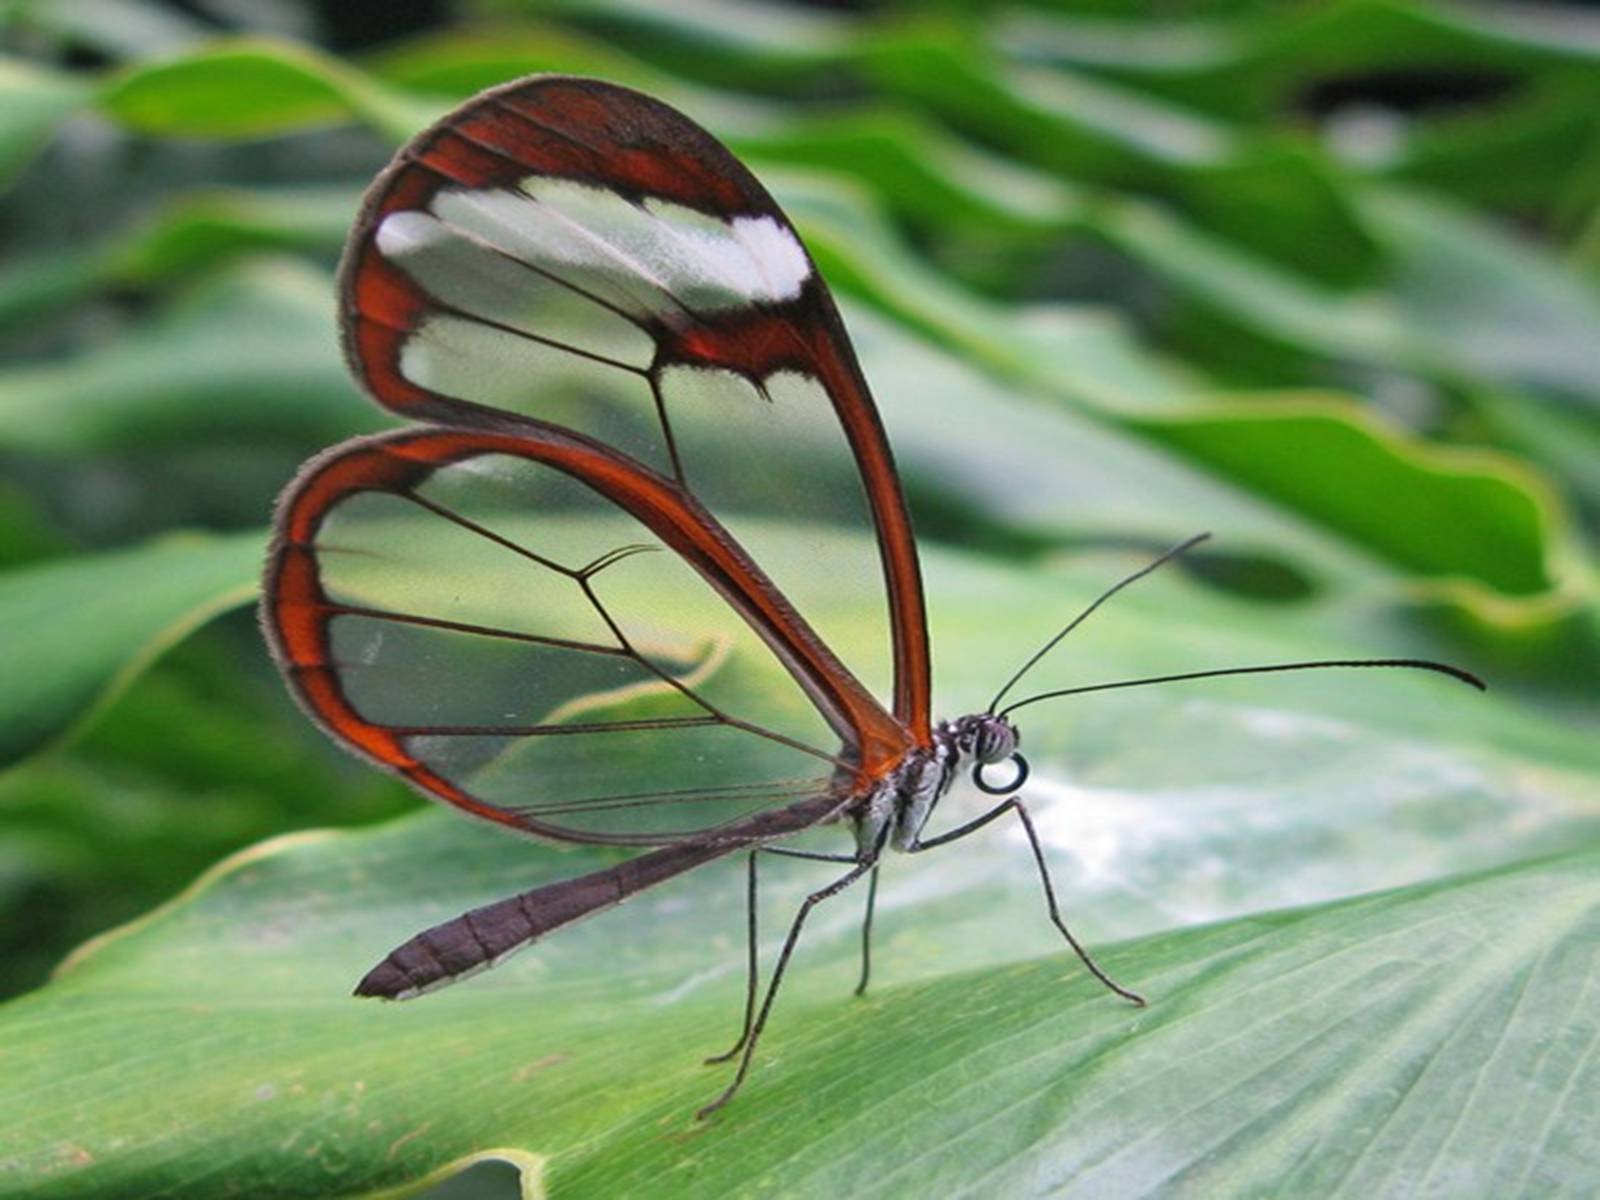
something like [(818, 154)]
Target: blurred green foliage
[(1323, 277)]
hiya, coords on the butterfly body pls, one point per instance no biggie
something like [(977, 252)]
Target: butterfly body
[(900, 803), (897, 810)]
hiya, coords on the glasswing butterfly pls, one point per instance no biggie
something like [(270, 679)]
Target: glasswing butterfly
[(538, 603)]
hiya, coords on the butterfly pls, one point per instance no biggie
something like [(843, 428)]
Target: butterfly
[(567, 600)]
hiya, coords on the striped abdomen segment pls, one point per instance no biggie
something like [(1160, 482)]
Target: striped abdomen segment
[(479, 939)]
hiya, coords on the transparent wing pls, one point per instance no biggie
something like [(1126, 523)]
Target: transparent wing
[(578, 253), (536, 630)]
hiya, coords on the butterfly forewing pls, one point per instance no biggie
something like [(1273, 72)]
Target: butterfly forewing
[(584, 255)]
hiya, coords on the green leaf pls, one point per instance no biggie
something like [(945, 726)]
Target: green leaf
[(733, 43), (1087, 352), (1271, 198), (1468, 513), (1389, 1020), (1533, 152), (1255, 294), (1463, 306), (1087, 129), (26, 534), (927, 177), (195, 232), (1487, 304), (100, 830), (1252, 63), (248, 356), (33, 104), (1392, 1020), (198, 229), (1565, 441), (113, 28), (1366, 35), (579, 1058), (1462, 300), (78, 630), (253, 88), (1263, 193), (459, 62)]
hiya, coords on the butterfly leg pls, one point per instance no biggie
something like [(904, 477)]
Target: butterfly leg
[(815, 898), (866, 932), (751, 965), (872, 900), (1014, 804), (751, 972)]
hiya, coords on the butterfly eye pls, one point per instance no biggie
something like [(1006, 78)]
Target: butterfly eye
[(991, 739), (1020, 777)]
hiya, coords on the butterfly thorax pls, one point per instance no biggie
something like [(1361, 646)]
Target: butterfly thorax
[(899, 807)]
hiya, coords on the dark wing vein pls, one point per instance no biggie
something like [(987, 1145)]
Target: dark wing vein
[(566, 135), (666, 428), (498, 539), (614, 804), (547, 730), (577, 289), (717, 789), (528, 335), (383, 614), (606, 246)]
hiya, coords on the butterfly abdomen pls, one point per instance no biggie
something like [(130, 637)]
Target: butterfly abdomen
[(477, 940)]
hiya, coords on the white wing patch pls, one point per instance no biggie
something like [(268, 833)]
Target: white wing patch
[(778, 256), (485, 279), (645, 259)]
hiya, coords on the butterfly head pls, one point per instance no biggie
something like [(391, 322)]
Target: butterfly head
[(990, 739)]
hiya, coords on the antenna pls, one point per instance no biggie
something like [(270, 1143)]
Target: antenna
[(1111, 591), (1418, 664)]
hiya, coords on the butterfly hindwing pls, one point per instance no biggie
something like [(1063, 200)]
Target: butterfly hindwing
[(531, 627)]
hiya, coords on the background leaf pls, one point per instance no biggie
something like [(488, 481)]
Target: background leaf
[(34, 102), (599, 1088), (249, 89), (1319, 278), (126, 607)]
